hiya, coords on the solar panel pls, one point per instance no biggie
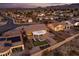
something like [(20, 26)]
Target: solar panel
[(7, 44), (2, 39), (14, 39), (8, 39)]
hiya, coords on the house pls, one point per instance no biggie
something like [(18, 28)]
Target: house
[(30, 20), (67, 24), (10, 45), (76, 24), (56, 26), (41, 14), (36, 32), (11, 42)]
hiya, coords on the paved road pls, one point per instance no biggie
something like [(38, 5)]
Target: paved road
[(56, 45)]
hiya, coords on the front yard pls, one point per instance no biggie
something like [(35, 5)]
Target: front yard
[(39, 43)]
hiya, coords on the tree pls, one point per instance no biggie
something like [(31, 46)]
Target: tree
[(46, 53), (57, 53)]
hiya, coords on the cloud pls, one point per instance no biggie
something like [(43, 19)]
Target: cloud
[(27, 5)]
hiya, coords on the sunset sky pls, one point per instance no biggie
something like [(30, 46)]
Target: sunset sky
[(27, 5)]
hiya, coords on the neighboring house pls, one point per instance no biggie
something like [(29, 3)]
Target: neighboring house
[(56, 26), (41, 14), (67, 24), (76, 24), (30, 20), (36, 31), (22, 20)]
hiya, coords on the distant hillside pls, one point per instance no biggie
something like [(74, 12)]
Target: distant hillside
[(76, 5)]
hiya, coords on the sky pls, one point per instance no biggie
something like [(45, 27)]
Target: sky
[(27, 5)]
